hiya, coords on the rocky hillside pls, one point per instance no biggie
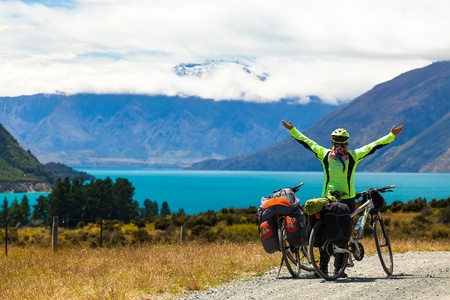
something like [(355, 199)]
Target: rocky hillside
[(419, 99)]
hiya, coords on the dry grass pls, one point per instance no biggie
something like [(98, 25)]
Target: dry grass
[(126, 272), (145, 272), (402, 245), (163, 270)]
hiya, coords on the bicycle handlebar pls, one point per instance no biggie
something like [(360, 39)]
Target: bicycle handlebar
[(297, 187), (294, 189), (381, 190)]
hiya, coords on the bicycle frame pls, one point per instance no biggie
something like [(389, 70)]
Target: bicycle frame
[(366, 207)]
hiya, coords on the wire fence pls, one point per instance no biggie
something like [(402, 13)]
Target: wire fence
[(105, 228)]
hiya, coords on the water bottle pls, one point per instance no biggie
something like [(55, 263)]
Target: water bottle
[(358, 224)]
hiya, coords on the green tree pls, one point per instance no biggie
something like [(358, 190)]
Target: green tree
[(124, 208), (61, 203), (99, 199), (25, 209), (149, 210), (77, 198), (15, 215), (40, 209), (165, 210)]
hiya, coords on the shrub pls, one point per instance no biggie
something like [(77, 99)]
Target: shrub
[(116, 238), (197, 230), (444, 217), (406, 228), (427, 210), (416, 205), (396, 206), (439, 232), (163, 223), (442, 203), (420, 219)]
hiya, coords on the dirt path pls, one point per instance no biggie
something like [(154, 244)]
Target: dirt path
[(417, 275)]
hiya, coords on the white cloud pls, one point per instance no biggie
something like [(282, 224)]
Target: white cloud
[(333, 49)]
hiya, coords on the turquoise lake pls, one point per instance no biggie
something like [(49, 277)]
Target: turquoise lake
[(200, 191)]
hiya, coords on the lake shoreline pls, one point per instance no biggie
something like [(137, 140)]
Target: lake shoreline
[(200, 191)]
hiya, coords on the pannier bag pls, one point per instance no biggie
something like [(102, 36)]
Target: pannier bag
[(274, 206), (378, 202), (297, 228), (269, 236), (338, 223), (286, 193), (313, 206), (282, 202)]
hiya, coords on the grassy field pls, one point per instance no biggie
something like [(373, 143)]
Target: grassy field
[(163, 269), (145, 272), (127, 272)]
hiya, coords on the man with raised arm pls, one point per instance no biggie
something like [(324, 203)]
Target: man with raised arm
[(339, 163)]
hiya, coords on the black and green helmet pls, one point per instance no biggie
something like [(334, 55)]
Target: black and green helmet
[(340, 136)]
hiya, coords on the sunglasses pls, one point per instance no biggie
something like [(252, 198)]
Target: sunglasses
[(339, 139)]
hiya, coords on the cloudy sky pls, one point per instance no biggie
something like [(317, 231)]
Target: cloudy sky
[(336, 50)]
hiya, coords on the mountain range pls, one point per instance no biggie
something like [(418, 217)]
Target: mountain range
[(210, 66), (89, 130), (418, 99)]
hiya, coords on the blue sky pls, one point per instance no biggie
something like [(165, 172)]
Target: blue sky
[(336, 50)]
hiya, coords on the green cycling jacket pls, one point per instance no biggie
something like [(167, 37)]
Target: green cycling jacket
[(335, 177)]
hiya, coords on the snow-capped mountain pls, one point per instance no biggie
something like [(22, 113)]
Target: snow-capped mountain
[(208, 68)]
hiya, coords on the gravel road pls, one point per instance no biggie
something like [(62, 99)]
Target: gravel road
[(417, 275)]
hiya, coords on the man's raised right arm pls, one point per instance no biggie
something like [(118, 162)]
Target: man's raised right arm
[(305, 141)]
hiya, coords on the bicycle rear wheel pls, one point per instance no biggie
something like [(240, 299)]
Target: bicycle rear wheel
[(383, 245), (327, 263), (291, 255)]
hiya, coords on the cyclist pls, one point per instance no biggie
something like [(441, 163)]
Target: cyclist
[(339, 163)]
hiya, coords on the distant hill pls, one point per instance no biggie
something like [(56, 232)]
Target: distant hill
[(418, 99), (20, 171), (87, 130), (62, 171)]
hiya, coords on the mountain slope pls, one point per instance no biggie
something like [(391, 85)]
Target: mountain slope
[(145, 131), (19, 169), (419, 99)]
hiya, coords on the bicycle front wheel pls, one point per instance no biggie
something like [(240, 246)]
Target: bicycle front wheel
[(383, 245), (327, 263), (291, 255)]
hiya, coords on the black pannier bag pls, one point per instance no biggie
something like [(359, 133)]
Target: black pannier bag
[(297, 228), (269, 236), (268, 229), (378, 202), (338, 223), (282, 202)]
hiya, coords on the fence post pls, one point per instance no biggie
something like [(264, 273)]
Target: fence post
[(6, 238), (182, 233), (55, 233)]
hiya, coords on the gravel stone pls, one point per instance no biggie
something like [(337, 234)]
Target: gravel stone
[(417, 275)]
